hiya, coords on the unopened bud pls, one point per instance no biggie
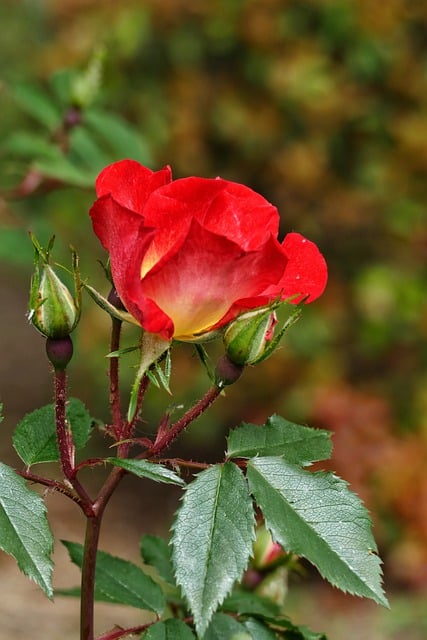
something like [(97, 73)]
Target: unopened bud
[(52, 309), (266, 552), (246, 337)]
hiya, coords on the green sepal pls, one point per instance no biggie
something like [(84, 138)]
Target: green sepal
[(102, 302), (152, 349)]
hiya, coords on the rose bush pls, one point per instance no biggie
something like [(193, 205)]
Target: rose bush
[(188, 256)]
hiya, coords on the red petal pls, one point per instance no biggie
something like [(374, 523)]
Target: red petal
[(130, 184), (225, 208), (306, 272), (199, 284), (124, 236)]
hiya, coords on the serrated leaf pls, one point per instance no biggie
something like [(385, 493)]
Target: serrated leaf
[(171, 629), (157, 553), (279, 437), (24, 529), (119, 581), (212, 539), (223, 627), (37, 104), (34, 438), (258, 630), (145, 469), (315, 515)]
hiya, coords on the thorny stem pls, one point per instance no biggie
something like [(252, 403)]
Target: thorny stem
[(65, 441), (168, 437), (122, 633), (94, 510), (54, 485), (114, 379)]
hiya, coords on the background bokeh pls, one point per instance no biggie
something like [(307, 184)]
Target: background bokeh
[(321, 106)]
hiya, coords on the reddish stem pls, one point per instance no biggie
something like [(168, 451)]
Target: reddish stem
[(93, 527), (65, 441), (54, 485), (114, 379), (168, 437), (122, 633)]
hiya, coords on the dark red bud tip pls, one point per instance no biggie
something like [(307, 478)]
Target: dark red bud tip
[(227, 372), (59, 351), (113, 298)]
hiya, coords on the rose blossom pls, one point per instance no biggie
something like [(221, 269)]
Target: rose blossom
[(188, 256)]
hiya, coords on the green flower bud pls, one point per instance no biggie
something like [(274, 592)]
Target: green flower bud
[(266, 552), (247, 337), (52, 309)]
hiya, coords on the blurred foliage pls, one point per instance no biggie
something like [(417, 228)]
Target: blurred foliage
[(319, 105)]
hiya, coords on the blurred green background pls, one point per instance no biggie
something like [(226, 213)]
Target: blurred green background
[(319, 105)]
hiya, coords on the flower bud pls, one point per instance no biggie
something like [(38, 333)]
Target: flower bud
[(246, 337), (52, 309), (266, 551)]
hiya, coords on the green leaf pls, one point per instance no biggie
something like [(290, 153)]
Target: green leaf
[(145, 469), (157, 553), (28, 145), (122, 138), (34, 438), (279, 437), (315, 515), (119, 581), (37, 104), (171, 629), (224, 627), (62, 168), (258, 630), (212, 539), (86, 151), (294, 632), (245, 602), (24, 529)]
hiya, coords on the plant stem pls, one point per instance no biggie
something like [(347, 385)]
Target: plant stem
[(65, 441), (114, 379), (166, 438), (93, 527)]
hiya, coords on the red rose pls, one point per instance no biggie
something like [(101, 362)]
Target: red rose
[(187, 256)]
